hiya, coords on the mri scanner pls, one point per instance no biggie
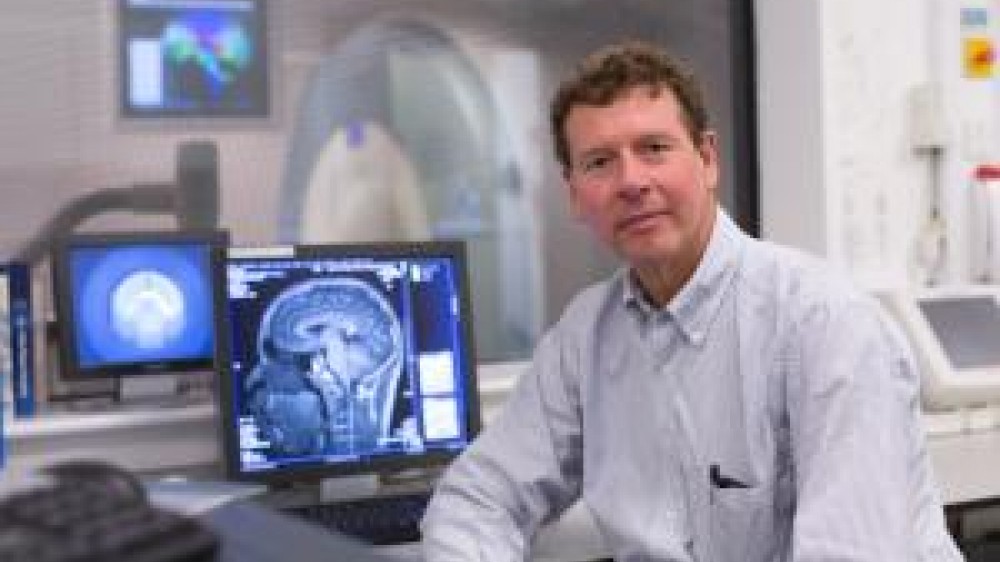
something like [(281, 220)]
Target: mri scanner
[(363, 188), (400, 136)]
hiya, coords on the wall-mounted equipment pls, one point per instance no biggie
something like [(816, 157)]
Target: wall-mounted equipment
[(955, 334), (186, 58)]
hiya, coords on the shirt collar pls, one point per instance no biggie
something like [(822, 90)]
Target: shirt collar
[(698, 302)]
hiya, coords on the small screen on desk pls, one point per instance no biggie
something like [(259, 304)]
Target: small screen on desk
[(346, 359), (968, 328), (135, 302)]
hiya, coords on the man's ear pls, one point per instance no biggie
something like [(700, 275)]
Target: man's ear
[(708, 150), (708, 146), (572, 195)]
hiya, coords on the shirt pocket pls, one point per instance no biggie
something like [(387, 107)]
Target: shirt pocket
[(742, 524)]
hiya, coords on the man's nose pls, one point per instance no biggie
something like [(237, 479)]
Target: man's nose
[(633, 177)]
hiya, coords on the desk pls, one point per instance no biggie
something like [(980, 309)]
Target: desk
[(572, 539), (252, 533)]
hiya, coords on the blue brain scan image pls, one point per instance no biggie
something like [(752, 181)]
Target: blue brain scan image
[(330, 357), (141, 304), (147, 309)]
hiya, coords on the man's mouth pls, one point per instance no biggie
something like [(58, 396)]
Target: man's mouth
[(638, 220)]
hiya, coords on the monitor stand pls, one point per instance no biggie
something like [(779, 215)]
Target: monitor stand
[(171, 390), (341, 488), (332, 489), (411, 479), (352, 487), (382, 483)]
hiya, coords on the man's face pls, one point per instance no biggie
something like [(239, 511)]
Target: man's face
[(640, 181)]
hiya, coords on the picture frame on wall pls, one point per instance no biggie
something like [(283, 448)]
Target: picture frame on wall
[(183, 59)]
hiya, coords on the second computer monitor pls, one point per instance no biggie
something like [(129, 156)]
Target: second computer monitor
[(136, 303), (345, 359)]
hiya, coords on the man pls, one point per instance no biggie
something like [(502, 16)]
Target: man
[(720, 399)]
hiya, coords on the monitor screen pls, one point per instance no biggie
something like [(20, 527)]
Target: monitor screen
[(345, 359), (193, 58), (967, 327), (136, 303)]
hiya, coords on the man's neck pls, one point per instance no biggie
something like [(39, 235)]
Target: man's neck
[(660, 284), (661, 281)]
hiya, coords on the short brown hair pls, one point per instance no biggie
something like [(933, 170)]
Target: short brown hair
[(605, 75)]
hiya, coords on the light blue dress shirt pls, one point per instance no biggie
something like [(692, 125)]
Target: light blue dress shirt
[(768, 413)]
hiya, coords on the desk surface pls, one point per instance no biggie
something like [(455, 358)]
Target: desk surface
[(251, 533), (572, 538)]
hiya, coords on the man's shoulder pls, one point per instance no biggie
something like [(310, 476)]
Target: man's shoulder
[(592, 300), (795, 279)]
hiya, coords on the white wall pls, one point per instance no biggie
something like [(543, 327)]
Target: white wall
[(838, 174)]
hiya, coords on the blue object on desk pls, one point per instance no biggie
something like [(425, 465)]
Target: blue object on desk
[(18, 344)]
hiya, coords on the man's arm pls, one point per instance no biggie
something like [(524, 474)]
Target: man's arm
[(862, 476), (521, 471)]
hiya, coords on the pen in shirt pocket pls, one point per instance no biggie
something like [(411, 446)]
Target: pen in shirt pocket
[(723, 481)]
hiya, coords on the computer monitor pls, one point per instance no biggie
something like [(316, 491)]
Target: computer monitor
[(345, 359), (955, 334), (135, 303), (193, 58)]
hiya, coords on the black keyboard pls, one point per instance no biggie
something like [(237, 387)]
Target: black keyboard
[(380, 520), (84, 521)]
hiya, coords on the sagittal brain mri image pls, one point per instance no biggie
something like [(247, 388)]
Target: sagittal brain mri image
[(330, 361)]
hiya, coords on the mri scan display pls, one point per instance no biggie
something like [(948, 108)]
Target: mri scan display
[(343, 359), (348, 342), (137, 302), (147, 309)]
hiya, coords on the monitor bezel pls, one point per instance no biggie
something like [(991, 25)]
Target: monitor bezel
[(454, 250), (943, 384), (70, 367), (130, 113)]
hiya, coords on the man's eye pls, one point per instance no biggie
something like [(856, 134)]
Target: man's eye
[(656, 147), (595, 163)]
